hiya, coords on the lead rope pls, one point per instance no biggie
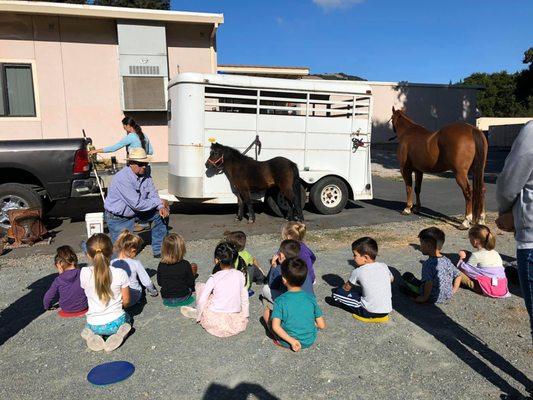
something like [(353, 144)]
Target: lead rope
[(257, 144)]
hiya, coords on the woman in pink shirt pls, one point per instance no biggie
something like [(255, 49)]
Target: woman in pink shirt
[(222, 306)]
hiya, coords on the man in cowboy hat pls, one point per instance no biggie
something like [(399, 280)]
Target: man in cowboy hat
[(133, 197)]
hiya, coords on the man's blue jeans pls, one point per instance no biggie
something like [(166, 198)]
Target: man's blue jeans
[(524, 261), (117, 224)]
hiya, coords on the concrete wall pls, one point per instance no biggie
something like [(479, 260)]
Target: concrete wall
[(429, 105), (76, 76), (485, 123)]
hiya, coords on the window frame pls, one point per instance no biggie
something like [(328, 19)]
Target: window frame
[(3, 79)]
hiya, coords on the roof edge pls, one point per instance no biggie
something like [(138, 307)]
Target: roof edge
[(92, 11)]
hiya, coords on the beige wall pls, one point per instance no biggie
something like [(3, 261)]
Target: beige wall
[(429, 105), (76, 76)]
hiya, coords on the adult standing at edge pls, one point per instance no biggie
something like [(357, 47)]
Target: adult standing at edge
[(132, 197), (515, 206), (134, 139)]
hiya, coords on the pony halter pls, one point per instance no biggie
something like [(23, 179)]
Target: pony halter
[(217, 163)]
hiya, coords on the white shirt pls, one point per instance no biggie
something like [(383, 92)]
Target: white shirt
[(135, 271), (100, 313), (375, 282), (485, 259)]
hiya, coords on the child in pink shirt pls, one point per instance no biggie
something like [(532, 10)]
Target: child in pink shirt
[(222, 306)]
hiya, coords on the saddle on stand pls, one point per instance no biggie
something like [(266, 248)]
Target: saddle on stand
[(27, 227)]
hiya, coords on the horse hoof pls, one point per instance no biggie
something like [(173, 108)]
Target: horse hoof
[(406, 211), (251, 221), (237, 219), (416, 210), (464, 226)]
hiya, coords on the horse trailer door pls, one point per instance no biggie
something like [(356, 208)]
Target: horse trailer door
[(360, 174)]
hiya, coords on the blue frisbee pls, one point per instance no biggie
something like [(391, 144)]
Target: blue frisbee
[(110, 372)]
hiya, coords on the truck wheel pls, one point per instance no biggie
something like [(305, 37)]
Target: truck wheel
[(278, 204), (14, 196), (329, 195)]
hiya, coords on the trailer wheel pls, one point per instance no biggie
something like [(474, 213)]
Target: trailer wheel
[(329, 195), (278, 204), (14, 196)]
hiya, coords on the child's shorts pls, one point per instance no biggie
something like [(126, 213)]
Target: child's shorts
[(412, 283), (178, 301), (111, 327), (351, 302)]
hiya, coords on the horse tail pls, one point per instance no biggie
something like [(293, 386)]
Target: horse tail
[(297, 189), (478, 173)]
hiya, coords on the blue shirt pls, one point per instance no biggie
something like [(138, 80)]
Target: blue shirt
[(442, 272), (130, 141), (277, 287), (130, 194), (298, 312)]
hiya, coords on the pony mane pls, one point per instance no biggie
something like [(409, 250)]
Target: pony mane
[(233, 152)]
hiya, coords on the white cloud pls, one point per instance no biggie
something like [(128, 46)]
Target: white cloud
[(336, 4)]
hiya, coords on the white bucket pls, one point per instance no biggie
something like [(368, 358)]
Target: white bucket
[(94, 223)]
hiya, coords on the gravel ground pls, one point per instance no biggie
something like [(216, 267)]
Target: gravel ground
[(473, 347)]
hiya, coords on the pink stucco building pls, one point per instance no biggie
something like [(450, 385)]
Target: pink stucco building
[(65, 67)]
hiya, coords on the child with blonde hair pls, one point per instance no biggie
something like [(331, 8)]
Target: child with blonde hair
[(175, 275), (66, 287), (107, 291), (222, 307), (296, 231), (127, 247), (483, 272)]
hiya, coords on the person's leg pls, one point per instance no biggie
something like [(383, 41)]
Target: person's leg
[(349, 299), (471, 284), (412, 283), (117, 224), (159, 229), (524, 258)]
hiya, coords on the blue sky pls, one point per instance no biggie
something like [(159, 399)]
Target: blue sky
[(411, 40)]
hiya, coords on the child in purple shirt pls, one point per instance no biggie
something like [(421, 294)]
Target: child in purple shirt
[(296, 231), (66, 286)]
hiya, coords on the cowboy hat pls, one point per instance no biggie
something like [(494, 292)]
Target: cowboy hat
[(138, 155)]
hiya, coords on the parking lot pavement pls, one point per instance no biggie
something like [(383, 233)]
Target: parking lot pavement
[(474, 347), (440, 198)]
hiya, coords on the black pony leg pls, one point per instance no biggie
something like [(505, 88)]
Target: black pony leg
[(240, 210), (251, 213)]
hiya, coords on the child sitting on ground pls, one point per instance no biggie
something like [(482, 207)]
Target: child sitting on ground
[(222, 306), (127, 247), (296, 231), (483, 272), (440, 278), (175, 275), (66, 287), (275, 287), (254, 271), (107, 291), (373, 297), (296, 315)]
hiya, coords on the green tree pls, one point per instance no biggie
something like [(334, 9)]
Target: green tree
[(505, 94), (153, 4)]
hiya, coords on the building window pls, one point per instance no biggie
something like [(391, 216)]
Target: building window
[(17, 98)]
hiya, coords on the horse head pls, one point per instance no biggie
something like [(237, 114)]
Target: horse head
[(216, 157), (398, 115)]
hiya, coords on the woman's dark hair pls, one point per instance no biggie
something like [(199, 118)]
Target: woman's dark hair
[(138, 130)]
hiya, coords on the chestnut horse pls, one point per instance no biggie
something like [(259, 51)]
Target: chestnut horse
[(247, 176), (459, 147)]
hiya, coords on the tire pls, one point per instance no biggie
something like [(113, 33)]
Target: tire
[(16, 195), (278, 205), (329, 195)]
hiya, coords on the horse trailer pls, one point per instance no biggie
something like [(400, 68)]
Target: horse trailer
[(323, 126)]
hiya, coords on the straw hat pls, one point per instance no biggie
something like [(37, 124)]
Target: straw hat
[(138, 155)]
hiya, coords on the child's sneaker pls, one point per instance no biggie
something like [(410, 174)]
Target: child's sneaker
[(189, 312), (94, 342), (114, 341)]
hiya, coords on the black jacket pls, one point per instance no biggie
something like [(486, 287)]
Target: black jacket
[(176, 280)]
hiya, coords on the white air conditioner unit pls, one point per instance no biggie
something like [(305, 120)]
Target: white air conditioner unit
[(143, 65)]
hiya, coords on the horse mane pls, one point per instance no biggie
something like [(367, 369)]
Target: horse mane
[(234, 152), (413, 123)]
